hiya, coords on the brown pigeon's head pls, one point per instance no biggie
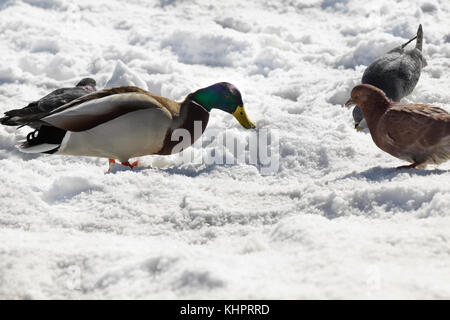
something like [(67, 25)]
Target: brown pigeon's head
[(364, 93)]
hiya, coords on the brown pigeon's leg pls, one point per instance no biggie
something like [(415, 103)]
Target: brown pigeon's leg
[(111, 162), (411, 166), (132, 165)]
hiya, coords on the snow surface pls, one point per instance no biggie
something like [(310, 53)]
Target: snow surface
[(335, 220)]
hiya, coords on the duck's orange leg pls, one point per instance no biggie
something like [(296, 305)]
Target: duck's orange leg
[(111, 162), (132, 165)]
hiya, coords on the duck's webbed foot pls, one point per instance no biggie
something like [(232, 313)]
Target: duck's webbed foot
[(132, 165), (112, 163)]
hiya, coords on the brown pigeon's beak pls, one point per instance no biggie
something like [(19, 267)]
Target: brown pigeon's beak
[(349, 103)]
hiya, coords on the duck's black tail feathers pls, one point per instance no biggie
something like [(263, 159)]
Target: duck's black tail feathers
[(46, 139)]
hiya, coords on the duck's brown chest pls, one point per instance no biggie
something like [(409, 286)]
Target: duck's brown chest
[(189, 126)]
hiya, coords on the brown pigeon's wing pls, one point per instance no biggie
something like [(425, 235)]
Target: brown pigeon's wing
[(420, 125), (425, 110), (100, 107)]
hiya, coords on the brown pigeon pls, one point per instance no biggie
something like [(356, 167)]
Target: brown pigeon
[(417, 133)]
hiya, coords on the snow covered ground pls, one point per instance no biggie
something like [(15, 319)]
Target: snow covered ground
[(334, 221)]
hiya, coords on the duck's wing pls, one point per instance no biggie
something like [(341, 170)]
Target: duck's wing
[(100, 107)]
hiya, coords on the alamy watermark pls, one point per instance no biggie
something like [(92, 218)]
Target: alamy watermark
[(73, 277), (373, 280), (261, 147)]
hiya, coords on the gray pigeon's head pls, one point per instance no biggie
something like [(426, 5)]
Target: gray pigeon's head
[(87, 82), (357, 117)]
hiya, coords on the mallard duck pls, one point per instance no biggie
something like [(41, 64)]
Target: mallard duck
[(417, 133), (396, 73), (36, 109), (127, 122)]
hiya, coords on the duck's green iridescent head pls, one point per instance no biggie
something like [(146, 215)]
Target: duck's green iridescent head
[(226, 97)]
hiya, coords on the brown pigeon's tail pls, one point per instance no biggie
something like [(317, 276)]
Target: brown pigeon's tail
[(419, 38)]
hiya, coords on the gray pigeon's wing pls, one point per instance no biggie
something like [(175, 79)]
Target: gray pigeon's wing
[(409, 69), (60, 97), (37, 109), (382, 73), (394, 73)]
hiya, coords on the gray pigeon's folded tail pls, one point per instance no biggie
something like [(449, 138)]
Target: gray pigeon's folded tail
[(419, 38), (30, 109), (4, 121), (20, 116)]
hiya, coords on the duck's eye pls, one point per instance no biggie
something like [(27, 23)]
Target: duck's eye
[(241, 113)]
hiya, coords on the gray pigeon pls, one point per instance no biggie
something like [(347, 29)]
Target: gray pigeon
[(34, 111), (396, 73)]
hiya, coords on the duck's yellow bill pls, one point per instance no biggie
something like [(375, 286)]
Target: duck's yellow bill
[(241, 116)]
